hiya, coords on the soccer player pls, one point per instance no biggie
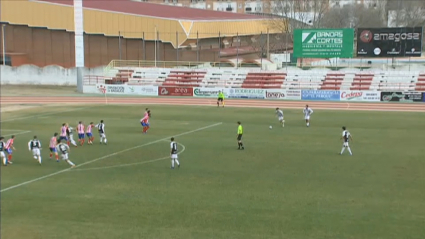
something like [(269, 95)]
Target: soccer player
[(9, 147), (70, 134), (64, 133), (145, 122), (52, 146), (64, 149), (80, 130), (101, 128), (307, 113), (220, 98), (174, 155), (2, 148), (279, 114), (34, 145), (89, 133), (240, 133), (346, 137)]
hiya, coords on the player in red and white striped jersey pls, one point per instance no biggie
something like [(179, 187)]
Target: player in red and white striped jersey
[(52, 146), (89, 133), (9, 147), (80, 130)]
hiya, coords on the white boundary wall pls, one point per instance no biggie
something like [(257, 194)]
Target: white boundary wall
[(49, 75)]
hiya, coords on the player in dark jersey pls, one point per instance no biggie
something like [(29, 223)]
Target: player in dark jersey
[(346, 137)]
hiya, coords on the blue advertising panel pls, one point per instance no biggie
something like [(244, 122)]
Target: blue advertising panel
[(423, 97), (331, 95)]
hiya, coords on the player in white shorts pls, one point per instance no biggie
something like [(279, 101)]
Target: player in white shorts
[(2, 154), (174, 155), (70, 133), (101, 128), (279, 114), (34, 145), (64, 150), (307, 113), (346, 137)]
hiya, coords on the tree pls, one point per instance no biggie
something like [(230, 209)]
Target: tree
[(353, 16), (403, 13), (297, 14)]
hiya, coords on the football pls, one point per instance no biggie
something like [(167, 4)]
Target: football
[(270, 127)]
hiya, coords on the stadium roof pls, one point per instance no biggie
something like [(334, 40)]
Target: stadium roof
[(137, 20), (158, 10)]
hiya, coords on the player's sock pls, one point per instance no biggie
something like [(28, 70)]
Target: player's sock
[(342, 150), (349, 150), (218, 104), (239, 145), (242, 145), (9, 157), (67, 143), (4, 161), (105, 140), (39, 159), (172, 163), (82, 142), (308, 124), (177, 162), (51, 155), (57, 157), (70, 163)]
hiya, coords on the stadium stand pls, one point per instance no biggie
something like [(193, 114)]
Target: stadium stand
[(420, 85), (248, 78)]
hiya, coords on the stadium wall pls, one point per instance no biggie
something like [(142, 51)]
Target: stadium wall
[(49, 75)]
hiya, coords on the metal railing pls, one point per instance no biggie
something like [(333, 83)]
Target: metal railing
[(258, 64)]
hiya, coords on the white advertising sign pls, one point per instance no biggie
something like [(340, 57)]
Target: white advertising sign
[(121, 89), (246, 93), (357, 95), (278, 94), (208, 92)]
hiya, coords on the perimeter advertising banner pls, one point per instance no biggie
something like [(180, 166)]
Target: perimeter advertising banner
[(389, 42), (175, 91), (324, 43), (407, 96), (246, 93), (278, 94), (356, 95), (328, 95), (121, 89), (208, 92)]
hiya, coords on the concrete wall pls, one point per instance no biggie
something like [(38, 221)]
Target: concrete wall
[(49, 75)]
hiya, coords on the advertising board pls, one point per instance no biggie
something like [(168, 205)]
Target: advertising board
[(246, 93), (208, 92), (175, 91), (121, 89), (406, 96), (356, 95), (278, 94), (329, 95), (389, 42), (323, 43)]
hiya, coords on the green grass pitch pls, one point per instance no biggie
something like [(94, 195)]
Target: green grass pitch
[(288, 183)]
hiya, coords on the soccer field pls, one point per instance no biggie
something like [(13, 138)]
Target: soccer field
[(288, 183)]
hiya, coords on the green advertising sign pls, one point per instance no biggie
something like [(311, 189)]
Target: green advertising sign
[(323, 43)]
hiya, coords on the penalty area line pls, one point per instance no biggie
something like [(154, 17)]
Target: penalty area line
[(129, 164), (45, 114), (23, 132), (106, 156)]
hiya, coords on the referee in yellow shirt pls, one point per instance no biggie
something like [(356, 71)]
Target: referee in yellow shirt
[(240, 133), (220, 98)]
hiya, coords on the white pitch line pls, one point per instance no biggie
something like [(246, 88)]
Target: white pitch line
[(23, 132), (40, 115), (106, 156), (12, 130), (129, 164)]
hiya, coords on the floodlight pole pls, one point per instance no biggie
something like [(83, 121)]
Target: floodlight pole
[(79, 42), (3, 38), (155, 44)]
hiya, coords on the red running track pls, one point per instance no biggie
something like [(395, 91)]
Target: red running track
[(400, 107)]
